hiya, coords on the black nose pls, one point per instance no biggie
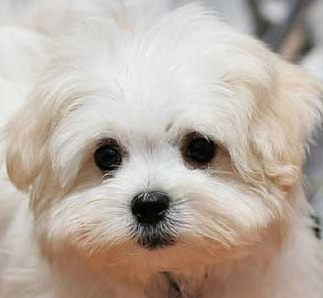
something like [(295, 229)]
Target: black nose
[(150, 207)]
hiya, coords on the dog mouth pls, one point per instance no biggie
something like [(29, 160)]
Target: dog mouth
[(153, 237)]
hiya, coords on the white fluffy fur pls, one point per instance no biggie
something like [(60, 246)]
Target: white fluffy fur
[(147, 77)]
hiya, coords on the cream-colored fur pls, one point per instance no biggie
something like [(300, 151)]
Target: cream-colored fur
[(148, 76)]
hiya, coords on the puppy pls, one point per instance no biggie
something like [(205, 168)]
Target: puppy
[(159, 155)]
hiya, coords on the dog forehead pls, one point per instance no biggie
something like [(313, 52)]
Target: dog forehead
[(194, 97), (147, 100), (145, 112), (159, 112), (205, 77)]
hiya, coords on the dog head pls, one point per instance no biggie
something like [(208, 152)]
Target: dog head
[(173, 142)]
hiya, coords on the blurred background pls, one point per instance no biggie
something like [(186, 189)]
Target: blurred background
[(291, 28)]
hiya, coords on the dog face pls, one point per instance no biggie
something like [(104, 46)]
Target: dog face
[(173, 145)]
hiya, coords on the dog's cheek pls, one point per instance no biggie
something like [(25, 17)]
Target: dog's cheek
[(230, 213), (90, 222)]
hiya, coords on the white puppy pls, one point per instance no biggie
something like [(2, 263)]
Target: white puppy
[(160, 155)]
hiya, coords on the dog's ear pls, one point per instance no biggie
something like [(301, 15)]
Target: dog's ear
[(26, 136), (285, 122)]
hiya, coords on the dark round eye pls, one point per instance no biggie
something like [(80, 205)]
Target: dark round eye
[(199, 149), (108, 157)]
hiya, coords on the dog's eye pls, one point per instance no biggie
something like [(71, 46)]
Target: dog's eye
[(199, 149), (108, 157)]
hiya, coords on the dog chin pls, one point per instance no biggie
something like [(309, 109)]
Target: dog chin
[(153, 237), (140, 255)]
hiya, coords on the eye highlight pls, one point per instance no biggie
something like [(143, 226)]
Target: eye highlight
[(108, 156), (198, 149)]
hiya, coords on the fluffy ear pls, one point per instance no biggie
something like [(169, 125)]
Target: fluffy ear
[(26, 138), (285, 123)]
